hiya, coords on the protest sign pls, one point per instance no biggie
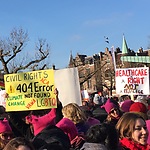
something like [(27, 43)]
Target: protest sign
[(2, 98), (67, 83), (30, 90), (132, 81), (85, 95)]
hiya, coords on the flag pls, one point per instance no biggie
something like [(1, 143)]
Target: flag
[(113, 56)]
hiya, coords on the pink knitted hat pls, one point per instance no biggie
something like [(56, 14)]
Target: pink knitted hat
[(40, 123), (125, 105), (109, 106), (4, 126), (68, 127)]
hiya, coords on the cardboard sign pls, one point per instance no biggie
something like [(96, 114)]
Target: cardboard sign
[(132, 81), (30, 90), (67, 83)]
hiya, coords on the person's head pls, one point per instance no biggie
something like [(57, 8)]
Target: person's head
[(104, 134), (84, 103), (6, 133), (133, 126), (125, 105), (73, 112), (112, 109), (3, 113), (51, 136), (139, 108), (19, 143), (96, 134)]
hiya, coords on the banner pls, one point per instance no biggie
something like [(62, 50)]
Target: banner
[(132, 81), (113, 56), (30, 90)]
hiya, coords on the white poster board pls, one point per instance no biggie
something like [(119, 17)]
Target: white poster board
[(67, 83), (2, 98), (132, 81), (85, 95)]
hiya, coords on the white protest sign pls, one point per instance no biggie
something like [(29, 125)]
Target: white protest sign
[(67, 83), (132, 81), (85, 95), (2, 98)]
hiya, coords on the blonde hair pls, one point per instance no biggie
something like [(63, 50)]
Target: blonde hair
[(73, 112)]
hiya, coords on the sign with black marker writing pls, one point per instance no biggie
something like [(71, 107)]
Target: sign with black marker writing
[(132, 81), (30, 90)]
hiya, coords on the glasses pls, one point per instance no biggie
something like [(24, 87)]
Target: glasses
[(6, 135), (113, 110)]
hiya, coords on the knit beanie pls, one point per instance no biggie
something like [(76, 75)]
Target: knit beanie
[(40, 123), (4, 126), (68, 127), (109, 105), (138, 107), (125, 105)]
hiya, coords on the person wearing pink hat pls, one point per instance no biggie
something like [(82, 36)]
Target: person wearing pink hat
[(113, 111), (125, 105), (68, 127), (6, 133)]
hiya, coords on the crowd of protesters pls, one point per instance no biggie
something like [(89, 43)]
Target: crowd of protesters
[(115, 123)]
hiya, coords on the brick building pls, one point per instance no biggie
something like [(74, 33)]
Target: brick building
[(96, 73)]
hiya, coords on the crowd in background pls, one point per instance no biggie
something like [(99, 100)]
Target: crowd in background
[(101, 123)]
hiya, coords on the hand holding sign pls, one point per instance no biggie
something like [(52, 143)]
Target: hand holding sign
[(30, 90)]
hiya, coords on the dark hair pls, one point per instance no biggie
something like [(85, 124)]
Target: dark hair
[(96, 134), (2, 109), (112, 140), (51, 135), (18, 141), (104, 133), (52, 146)]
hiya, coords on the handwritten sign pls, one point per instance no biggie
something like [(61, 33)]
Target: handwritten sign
[(132, 81), (30, 90)]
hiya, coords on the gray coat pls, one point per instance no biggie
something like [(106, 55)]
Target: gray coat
[(93, 146)]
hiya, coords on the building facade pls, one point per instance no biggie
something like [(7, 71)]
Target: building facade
[(97, 72)]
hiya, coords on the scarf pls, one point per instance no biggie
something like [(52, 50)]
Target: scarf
[(132, 145)]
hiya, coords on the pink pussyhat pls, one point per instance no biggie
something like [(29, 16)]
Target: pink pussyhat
[(4, 126)]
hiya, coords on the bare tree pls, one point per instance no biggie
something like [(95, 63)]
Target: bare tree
[(14, 59)]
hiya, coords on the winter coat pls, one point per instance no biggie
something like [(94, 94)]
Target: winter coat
[(51, 135), (93, 146)]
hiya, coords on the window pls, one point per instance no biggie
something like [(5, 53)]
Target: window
[(89, 84)]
